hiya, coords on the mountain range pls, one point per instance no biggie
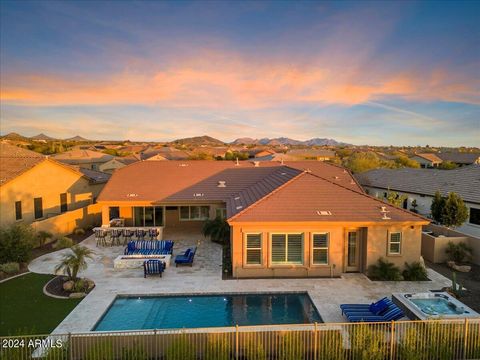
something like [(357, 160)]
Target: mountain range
[(287, 141)]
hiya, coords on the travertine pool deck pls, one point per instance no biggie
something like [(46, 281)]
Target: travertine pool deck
[(205, 277)]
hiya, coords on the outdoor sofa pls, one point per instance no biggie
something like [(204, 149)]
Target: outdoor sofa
[(149, 247)]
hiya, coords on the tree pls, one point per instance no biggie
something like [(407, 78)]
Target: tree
[(16, 243), (360, 162), (75, 261), (455, 212), (395, 199), (447, 165), (414, 206), (404, 161), (436, 208), (218, 230)]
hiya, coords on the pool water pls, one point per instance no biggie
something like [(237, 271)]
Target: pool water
[(167, 312), (436, 306)]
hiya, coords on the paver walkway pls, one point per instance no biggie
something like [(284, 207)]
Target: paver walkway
[(205, 277)]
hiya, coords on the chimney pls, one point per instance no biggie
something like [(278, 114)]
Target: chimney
[(222, 184)]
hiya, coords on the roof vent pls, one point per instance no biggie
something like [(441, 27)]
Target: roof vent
[(239, 207), (198, 194), (237, 197), (385, 217), (222, 183), (183, 165), (308, 170), (344, 171), (132, 195), (323, 213), (352, 182), (336, 178), (236, 162), (256, 163), (384, 212)]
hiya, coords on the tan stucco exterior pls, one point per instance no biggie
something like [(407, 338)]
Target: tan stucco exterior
[(46, 180), (373, 243)]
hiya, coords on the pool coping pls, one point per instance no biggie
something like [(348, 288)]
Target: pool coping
[(130, 295)]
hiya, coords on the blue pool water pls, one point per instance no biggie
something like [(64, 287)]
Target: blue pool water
[(437, 306), (167, 312)]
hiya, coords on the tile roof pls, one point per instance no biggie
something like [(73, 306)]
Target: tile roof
[(311, 153), (460, 158), (465, 181), (160, 180), (15, 160), (308, 198), (93, 175), (430, 157), (80, 156)]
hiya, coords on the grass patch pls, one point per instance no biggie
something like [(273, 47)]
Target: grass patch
[(25, 309)]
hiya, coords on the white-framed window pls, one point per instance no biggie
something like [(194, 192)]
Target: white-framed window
[(253, 249), (194, 212), (320, 244), (395, 243), (221, 213), (287, 248)]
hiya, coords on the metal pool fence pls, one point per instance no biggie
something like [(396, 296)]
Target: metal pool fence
[(418, 340)]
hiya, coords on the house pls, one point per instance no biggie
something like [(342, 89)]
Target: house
[(164, 153), (84, 158), (421, 184), (311, 154), (34, 187), (460, 159), (119, 162), (427, 160), (296, 219), (264, 153)]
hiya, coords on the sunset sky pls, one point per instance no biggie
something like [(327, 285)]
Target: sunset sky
[(401, 73)]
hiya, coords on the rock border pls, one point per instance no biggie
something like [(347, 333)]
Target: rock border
[(51, 295)]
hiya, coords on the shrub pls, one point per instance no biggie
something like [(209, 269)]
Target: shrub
[(384, 270), (180, 349), (63, 243), (79, 231), (218, 347), (291, 347), (367, 343), (459, 252), (42, 237), (450, 210), (101, 350), (75, 261), (10, 268), (135, 352), (415, 272), (218, 230), (16, 243)]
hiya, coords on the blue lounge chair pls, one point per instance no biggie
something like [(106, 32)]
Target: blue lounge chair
[(393, 313), (153, 267), (364, 306), (186, 258), (373, 309)]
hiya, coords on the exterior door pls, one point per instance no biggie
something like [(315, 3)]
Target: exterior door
[(353, 251)]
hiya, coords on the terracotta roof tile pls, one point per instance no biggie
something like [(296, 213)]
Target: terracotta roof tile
[(15, 160)]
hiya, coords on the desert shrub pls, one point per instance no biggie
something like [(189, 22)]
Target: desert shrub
[(135, 352), (330, 345), (180, 349), (16, 243), (10, 268), (368, 343), (384, 270), (79, 231), (459, 252), (415, 272), (63, 242), (42, 237), (218, 347), (253, 349)]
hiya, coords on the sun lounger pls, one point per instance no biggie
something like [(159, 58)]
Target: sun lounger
[(186, 258), (391, 314), (373, 307)]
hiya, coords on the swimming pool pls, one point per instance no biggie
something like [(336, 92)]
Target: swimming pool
[(193, 311)]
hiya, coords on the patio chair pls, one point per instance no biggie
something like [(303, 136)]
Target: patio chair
[(101, 237), (115, 236), (140, 234), (153, 267), (392, 313), (127, 236), (153, 234), (186, 258), (375, 307)]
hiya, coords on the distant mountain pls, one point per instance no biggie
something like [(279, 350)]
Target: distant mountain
[(287, 141), (42, 136), (77, 138), (14, 137), (199, 140)]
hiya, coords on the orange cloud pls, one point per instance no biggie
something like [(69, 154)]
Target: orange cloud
[(219, 80)]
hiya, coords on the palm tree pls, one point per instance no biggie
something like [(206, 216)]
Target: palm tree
[(218, 230), (74, 262)]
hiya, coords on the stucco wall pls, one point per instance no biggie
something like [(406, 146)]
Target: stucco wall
[(372, 238), (46, 180)]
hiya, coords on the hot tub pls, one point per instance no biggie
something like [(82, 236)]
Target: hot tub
[(433, 305)]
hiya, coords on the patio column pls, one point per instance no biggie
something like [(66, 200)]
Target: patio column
[(105, 215)]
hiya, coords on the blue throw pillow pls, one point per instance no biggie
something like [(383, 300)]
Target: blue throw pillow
[(378, 308)]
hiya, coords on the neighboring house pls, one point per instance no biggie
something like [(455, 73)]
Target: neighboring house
[(461, 159), (84, 158), (421, 185), (311, 154), (427, 160), (119, 162), (34, 187), (298, 219), (264, 153)]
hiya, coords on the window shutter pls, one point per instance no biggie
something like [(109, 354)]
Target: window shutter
[(278, 248), (320, 248), (295, 248), (254, 252)]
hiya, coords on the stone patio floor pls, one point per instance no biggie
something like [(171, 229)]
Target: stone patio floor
[(205, 277)]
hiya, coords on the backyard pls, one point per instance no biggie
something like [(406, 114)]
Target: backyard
[(25, 309)]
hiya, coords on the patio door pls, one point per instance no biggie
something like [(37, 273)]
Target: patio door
[(352, 250)]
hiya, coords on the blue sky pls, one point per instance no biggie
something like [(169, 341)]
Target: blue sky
[(379, 73)]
